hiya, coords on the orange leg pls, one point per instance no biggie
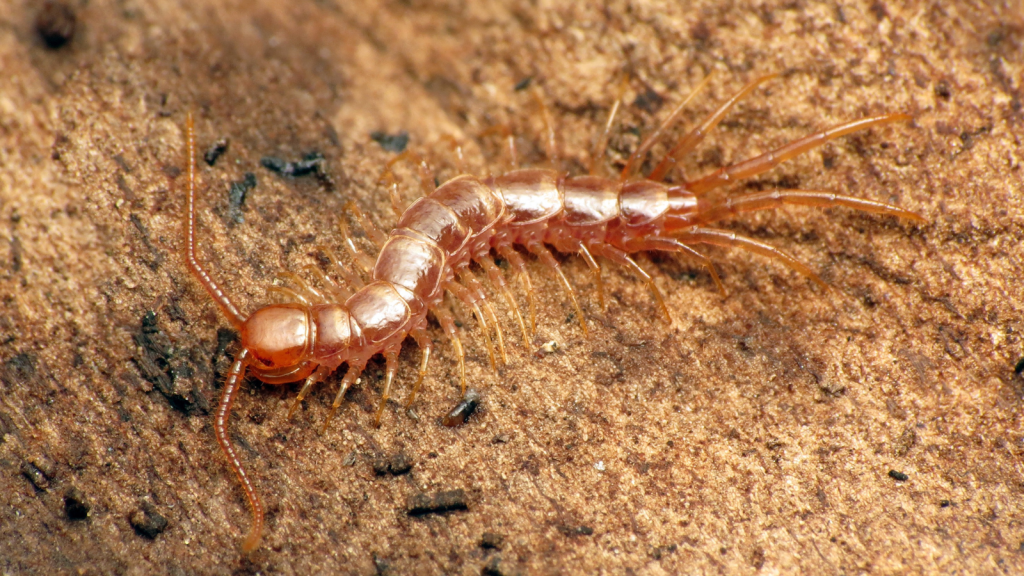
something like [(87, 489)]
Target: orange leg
[(601, 145), (767, 161), (391, 367), (321, 374), (770, 200), (498, 282), (620, 257), (663, 244), (549, 260), (636, 158), (694, 137), (467, 297), (519, 265), (725, 238), (444, 318), (426, 345), (354, 370)]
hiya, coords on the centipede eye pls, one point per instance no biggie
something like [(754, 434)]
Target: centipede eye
[(277, 336)]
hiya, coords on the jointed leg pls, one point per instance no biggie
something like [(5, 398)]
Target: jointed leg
[(663, 244), (467, 298), (549, 260), (775, 198), (519, 265), (354, 370), (358, 256), (469, 280), (372, 232), (636, 158), (498, 282), (620, 257), (694, 137), (601, 146), (426, 345), (352, 279), (767, 161), (444, 318), (321, 374), (725, 238), (391, 367)]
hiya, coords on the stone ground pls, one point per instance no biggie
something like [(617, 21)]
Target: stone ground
[(779, 429)]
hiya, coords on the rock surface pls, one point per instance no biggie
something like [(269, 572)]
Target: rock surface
[(757, 432)]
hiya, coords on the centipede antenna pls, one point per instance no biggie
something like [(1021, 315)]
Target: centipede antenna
[(636, 157), (219, 297), (231, 385)]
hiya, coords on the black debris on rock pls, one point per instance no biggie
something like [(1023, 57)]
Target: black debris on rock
[(395, 465), (463, 410), (898, 476), (391, 142), (437, 503), (76, 506), (214, 152), (147, 522), (237, 193), (56, 23)]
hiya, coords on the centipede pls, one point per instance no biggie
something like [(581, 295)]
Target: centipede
[(455, 230)]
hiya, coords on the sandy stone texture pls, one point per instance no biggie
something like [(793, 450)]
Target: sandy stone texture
[(782, 428)]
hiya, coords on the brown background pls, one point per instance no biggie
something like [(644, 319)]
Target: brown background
[(754, 434)]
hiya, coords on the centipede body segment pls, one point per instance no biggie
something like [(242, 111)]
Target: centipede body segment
[(525, 212)]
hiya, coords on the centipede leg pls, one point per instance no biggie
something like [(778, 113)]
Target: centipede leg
[(338, 291), (498, 281), (595, 268), (770, 200), (767, 161), (426, 345), (470, 281), (519, 265), (321, 374), (350, 278), (309, 292), (727, 239), (231, 386), (636, 158), (391, 367), (663, 244), (601, 145), (289, 295), (444, 318), (620, 257), (372, 232), (550, 145), (694, 137), (354, 370), (358, 256), (549, 260), (426, 174), (467, 298)]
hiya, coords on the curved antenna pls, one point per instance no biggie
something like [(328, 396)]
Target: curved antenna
[(218, 295)]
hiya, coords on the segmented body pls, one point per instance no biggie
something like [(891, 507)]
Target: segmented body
[(464, 221)]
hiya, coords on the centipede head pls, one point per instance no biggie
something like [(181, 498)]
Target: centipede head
[(287, 341)]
